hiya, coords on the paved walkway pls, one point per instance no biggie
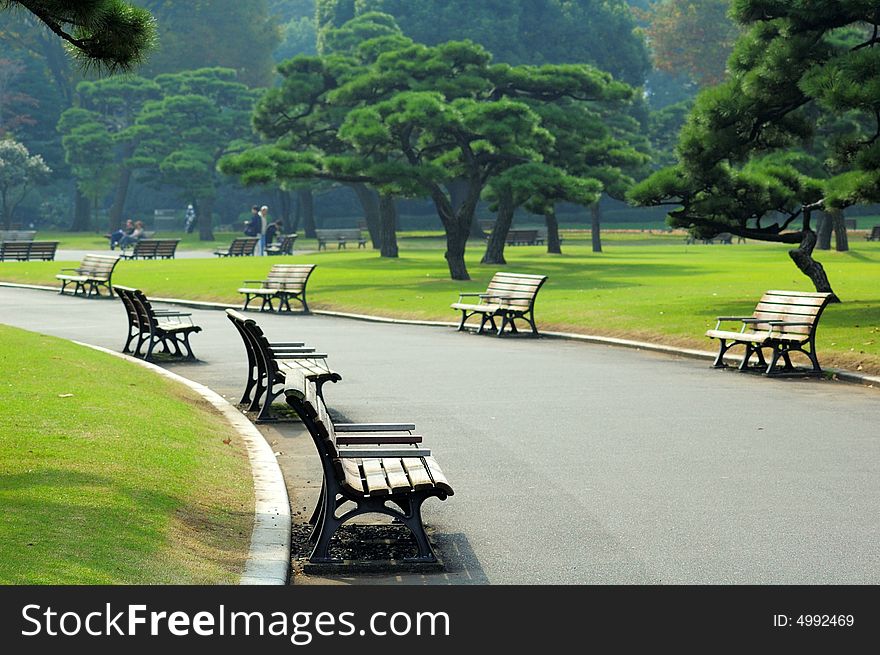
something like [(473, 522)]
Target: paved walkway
[(576, 463)]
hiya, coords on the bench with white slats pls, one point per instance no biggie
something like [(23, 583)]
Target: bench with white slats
[(783, 321), (283, 282), (509, 296)]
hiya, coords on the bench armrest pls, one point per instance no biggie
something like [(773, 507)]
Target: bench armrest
[(373, 427), (168, 312), (360, 452), (72, 269), (377, 439), (288, 350), (783, 323), (465, 295), (286, 344), (254, 281), (303, 355), (733, 318), (513, 297)]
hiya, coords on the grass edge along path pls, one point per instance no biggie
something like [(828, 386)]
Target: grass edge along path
[(657, 290), (110, 474)]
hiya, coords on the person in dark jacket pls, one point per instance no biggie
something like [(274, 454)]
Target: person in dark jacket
[(255, 225)]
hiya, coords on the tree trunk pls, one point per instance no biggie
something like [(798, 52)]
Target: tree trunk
[(119, 196), (81, 210), (824, 225), (498, 238), (297, 215), (388, 225), (307, 206), (802, 257), (554, 247), (284, 208), (205, 213), (7, 210), (456, 241), (596, 226), (841, 238), (459, 193), (370, 201)]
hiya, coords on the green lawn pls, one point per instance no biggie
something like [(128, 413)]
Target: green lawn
[(122, 482), (649, 287)]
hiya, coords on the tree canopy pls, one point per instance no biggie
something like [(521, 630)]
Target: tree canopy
[(413, 120), (19, 172), (107, 34), (741, 165), (599, 32)]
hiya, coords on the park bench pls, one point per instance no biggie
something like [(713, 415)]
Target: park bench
[(152, 249), (284, 281), (269, 364), (17, 235), (149, 327), (283, 247), (94, 272), (28, 250), (875, 234), (783, 321), (371, 466), (341, 236), (522, 237), (240, 247), (509, 296)]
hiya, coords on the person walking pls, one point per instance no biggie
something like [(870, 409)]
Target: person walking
[(264, 223)]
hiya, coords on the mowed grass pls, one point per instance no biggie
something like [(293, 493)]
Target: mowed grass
[(110, 474), (647, 287)]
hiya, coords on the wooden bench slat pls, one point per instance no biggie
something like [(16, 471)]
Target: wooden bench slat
[(374, 476), (395, 474), (417, 473)]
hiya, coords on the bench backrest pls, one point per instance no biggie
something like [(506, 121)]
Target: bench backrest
[(875, 232), (519, 287), (98, 267), (288, 277), (155, 248), (243, 246), (792, 306), (15, 249), (260, 351), (285, 247), (126, 295), (144, 248), (43, 249), (345, 233), (17, 235)]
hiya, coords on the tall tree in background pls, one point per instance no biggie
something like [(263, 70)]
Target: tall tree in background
[(15, 106), (107, 34), (235, 34), (297, 25), (203, 116), (115, 102), (738, 168), (694, 37), (599, 32), (20, 171), (89, 151)]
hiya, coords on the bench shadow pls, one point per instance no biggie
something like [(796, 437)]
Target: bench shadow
[(376, 554)]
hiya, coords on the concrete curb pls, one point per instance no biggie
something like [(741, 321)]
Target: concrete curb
[(268, 561), (841, 374)]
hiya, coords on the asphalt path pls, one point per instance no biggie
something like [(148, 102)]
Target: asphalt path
[(574, 463)]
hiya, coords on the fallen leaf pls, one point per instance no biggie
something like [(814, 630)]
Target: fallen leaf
[(65, 395)]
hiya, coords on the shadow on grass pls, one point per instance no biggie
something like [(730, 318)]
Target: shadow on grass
[(63, 527)]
